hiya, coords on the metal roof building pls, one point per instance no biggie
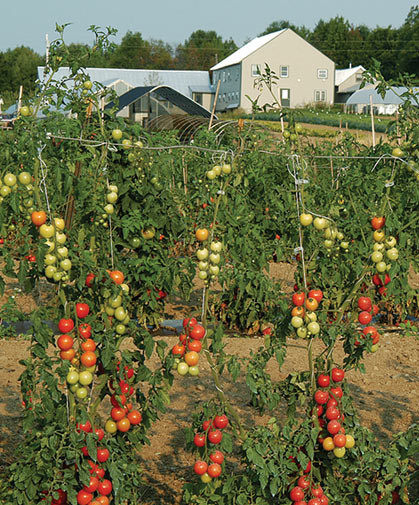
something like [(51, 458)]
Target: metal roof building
[(360, 100)]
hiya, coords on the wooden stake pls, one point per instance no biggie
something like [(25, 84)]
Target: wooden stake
[(19, 101), (214, 104), (372, 122)]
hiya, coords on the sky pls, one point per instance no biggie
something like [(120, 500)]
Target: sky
[(26, 22)]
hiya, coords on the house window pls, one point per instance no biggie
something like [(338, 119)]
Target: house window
[(198, 98), (320, 95), (224, 77), (228, 76), (322, 73), (283, 71), (285, 97), (358, 77), (255, 70)]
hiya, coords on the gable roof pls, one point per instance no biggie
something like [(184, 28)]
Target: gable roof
[(181, 80), (344, 73), (166, 92), (246, 50)]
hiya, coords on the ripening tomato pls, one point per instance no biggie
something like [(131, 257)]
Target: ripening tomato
[(117, 413), (65, 325), (134, 417), (82, 310), (323, 380), (89, 345), (88, 359), (105, 487), (89, 280), (298, 311), (339, 440), (65, 342), (191, 358), (364, 303), (201, 234), (102, 500), (364, 317), (117, 276), (217, 457), (215, 436), (123, 425), (328, 444), (214, 470), (200, 467), (317, 294), (197, 332), (337, 374), (221, 422), (378, 222), (68, 355), (39, 217), (312, 304), (298, 299)]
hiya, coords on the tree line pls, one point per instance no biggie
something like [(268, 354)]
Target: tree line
[(397, 49)]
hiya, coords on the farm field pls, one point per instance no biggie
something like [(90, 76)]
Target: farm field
[(290, 268)]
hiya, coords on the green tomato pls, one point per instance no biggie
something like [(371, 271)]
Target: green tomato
[(60, 238), (378, 246), (211, 174), (65, 265), (74, 387), (50, 259), (115, 301), (50, 271), (24, 178), (87, 85), (203, 265), (120, 329), (112, 197), (58, 276), (390, 242), (392, 254), (120, 313), (117, 134), (381, 267), (9, 179), (203, 274), (297, 321), (62, 252), (85, 378), (193, 370), (5, 191), (72, 377), (313, 327), (109, 209), (25, 110), (110, 426), (214, 269), (215, 258), (226, 168), (216, 247), (109, 310), (82, 393), (339, 452), (216, 169), (205, 478), (182, 368), (377, 256), (302, 332), (320, 223), (306, 219), (202, 254)]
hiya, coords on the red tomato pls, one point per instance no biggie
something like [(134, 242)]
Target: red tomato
[(382, 291), (82, 310), (337, 374), (102, 454), (317, 491), (333, 427), (96, 470), (200, 467), (195, 345), (99, 433), (85, 330), (215, 436), (178, 350), (86, 427), (65, 325), (197, 332), (199, 440), (206, 425), (117, 413), (217, 457), (375, 310), (303, 483), (332, 413), (214, 470), (321, 397), (323, 380), (378, 222), (336, 392), (317, 294), (105, 487), (88, 359), (324, 500), (298, 299), (89, 280), (221, 421), (65, 342), (364, 317), (364, 303), (93, 485), (118, 402), (314, 501), (84, 497), (297, 493), (189, 322), (89, 345), (339, 440), (123, 425)]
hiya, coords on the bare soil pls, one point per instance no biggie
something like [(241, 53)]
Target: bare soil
[(386, 396)]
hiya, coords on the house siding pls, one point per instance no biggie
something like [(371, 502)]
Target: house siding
[(303, 62), (230, 86)]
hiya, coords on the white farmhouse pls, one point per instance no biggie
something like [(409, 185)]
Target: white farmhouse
[(305, 75)]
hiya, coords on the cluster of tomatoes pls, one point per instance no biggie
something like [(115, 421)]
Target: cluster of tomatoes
[(384, 248), (11, 183), (57, 263), (367, 311), (208, 259), (217, 170), (213, 435), (330, 416), (123, 415), (187, 351), (304, 318), (109, 209), (83, 366), (306, 490), (97, 483), (334, 240)]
